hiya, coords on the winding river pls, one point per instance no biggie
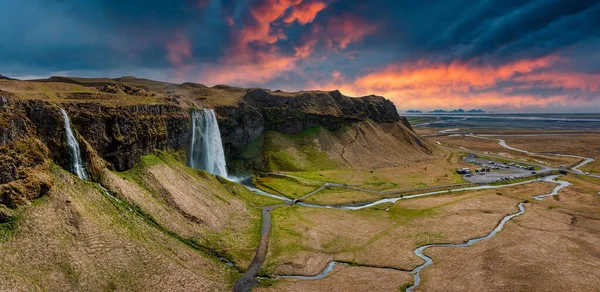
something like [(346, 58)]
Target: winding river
[(249, 280), (428, 261)]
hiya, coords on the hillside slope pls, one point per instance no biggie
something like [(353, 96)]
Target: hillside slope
[(163, 225), (362, 145), (76, 238)]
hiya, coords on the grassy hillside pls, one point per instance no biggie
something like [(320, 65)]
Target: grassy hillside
[(77, 238), (169, 228), (192, 204), (363, 145)]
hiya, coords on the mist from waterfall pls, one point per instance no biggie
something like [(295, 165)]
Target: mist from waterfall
[(206, 150), (77, 166)]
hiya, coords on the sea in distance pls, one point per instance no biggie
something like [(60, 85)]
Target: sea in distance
[(549, 121)]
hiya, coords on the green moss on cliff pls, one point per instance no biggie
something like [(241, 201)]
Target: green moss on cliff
[(289, 152)]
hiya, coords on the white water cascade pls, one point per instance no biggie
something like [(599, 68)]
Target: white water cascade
[(77, 166), (206, 151)]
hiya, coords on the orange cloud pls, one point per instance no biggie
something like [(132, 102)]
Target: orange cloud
[(264, 14), (346, 29), (255, 56), (580, 81), (229, 20), (456, 77), (305, 12), (203, 3), (426, 85), (266, 66)]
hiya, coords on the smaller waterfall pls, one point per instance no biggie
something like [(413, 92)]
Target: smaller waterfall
[(206, 151), (77, 166)]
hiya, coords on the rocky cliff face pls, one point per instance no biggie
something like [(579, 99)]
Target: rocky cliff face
[(23, 165), (121, 135), (32, 132), (261, 111)]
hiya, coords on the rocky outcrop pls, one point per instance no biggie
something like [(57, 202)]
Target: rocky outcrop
[(260, 111), (120, 132), (32, 131), (23, 165)]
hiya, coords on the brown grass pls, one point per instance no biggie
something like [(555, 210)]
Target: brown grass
[(347, 278), (489, 146), (541, 251), (304, 240), (192, 204), (439, 169), (76, 239)]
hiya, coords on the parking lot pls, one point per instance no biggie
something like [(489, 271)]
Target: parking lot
[(495, 171)]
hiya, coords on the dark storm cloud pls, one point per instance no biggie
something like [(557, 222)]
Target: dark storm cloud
[(511, 27)]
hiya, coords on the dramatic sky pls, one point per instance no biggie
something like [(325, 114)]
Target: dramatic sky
[(505, 55)]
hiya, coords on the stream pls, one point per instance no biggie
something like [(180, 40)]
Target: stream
[(428, 261), (249, 279)]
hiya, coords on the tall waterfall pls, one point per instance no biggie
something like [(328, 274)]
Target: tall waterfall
[(206, 151), (77, 166)]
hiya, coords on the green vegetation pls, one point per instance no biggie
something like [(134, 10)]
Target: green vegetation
[(114, 243), (405, 286), (427, 237), (287, 152), (335, 196), (217, 255), (286, 186), (295, 152), (237, 234), (8, 228), (252, 198)]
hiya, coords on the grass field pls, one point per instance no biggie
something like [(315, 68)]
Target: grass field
[(303, 240)]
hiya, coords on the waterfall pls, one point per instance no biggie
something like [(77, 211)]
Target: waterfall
[(77, 166), (206, 151)]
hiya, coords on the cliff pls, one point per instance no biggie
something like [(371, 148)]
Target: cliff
[(259, 111), (120, 120)]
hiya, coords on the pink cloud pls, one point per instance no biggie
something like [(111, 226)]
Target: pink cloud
[(423, 84), (571, 80), (254, 56), (305, 12), (346, 29), (179, 53)]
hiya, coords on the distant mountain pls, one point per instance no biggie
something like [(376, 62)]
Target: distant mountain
[(2, 77), (476, 111), (414, 111), (457, 111)]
